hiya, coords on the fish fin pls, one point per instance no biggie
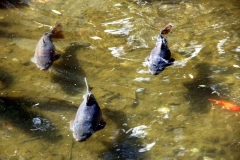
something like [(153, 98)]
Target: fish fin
[(57, 31), (88, 91), (33, 60), (167, 29), (171, 60), (88, 98), (90, 88), (147, 58), (213, 100), (57, 56), (71, 125), (101, 125), (89, 95)]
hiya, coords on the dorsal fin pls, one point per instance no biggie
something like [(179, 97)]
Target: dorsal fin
[(88, 90), (85, 79)]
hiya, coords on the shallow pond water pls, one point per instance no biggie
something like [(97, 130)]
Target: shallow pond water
[(167, 116)]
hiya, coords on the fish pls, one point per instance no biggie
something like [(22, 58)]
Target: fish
[(225, 104), (45, 50), (88, 118), (160, 56)]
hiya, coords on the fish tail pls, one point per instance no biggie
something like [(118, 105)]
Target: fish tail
[(57, 31), (213, 100), (167, 29)]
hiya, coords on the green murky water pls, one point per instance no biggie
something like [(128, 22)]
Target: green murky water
[(166, 117)]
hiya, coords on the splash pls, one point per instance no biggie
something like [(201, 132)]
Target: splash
[(147, 147), (118, 52), (141, 79), (237, 49), (139, 131), (41, 124), (220, 44), (183, 62), (125, 26)]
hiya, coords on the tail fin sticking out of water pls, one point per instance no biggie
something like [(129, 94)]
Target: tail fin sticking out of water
[(57, 31), (167, 29)]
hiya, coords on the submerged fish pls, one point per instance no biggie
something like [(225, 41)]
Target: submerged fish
[(88, 118), (160, 56), (226, 104), (45, 50)]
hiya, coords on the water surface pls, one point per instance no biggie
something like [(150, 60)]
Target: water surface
[(167, 116)]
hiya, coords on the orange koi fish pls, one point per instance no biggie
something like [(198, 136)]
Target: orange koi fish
[(226, 104)]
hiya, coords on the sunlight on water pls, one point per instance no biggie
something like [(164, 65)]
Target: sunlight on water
[(165, 116)]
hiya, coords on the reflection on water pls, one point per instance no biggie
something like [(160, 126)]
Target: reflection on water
[(167, 116)]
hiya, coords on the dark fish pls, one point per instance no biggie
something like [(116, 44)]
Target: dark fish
[(160, 56), (88, 118), (45, 50)]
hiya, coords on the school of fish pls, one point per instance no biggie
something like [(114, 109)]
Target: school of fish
[(89, 118)]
